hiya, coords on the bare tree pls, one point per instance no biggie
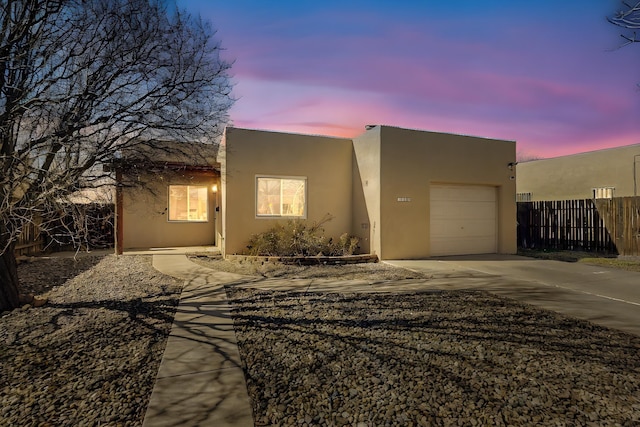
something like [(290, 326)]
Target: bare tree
[(629, 19), (81, 80)]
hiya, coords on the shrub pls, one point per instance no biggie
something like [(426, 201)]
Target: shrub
[(346, 245), (300, 238)]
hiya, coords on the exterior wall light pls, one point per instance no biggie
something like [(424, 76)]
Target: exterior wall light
[(214, 188)]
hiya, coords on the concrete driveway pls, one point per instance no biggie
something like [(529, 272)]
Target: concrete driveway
[(605, 296)]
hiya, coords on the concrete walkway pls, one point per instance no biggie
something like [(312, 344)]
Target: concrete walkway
[(200, 381)]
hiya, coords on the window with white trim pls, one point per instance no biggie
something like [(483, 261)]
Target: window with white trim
[(189, 203), (523, 197), (281, 197), (603, 192)]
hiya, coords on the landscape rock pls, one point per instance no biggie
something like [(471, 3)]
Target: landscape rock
[(39, 302), (81, 359), (91, 354), (430, 359)]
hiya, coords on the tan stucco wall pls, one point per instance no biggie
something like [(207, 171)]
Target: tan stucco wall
[(145, 214), (366, 190), (575, 176), (410, 161), (325, 162)]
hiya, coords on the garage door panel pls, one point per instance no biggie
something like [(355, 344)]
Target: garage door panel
[(460, 235), (463, 210), (463, 193), (463, 220), (452, 246), (470, 228)]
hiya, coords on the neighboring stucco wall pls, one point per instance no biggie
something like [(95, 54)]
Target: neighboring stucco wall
[(575, 176), (145, 214), (410, 161), (326, 163)]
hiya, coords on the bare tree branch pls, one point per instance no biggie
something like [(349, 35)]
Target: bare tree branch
[(627, 19), (81, 79)]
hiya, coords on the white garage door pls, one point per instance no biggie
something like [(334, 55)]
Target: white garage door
[(463, 220)]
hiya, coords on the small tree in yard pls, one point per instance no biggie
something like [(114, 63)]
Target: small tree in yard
[(82, 80)]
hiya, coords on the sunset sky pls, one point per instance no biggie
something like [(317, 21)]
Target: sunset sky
[(546, 74)]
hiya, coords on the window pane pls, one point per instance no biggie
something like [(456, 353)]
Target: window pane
[(178, 203), (198, 203), (188, 203), (293, 197), (268, 196), (603, 193), (523, 197)]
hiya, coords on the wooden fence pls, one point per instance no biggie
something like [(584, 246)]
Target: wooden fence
[(608, 226), (30, 241), (84, 225), (621, 215)]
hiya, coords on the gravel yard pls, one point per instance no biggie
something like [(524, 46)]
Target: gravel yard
[(268, 270), (91, 355), (430, 359)]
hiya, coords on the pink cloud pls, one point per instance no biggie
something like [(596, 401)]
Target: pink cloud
[(331, 111), (331, 71)]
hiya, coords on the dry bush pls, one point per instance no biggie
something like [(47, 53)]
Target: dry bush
[(300, 238)]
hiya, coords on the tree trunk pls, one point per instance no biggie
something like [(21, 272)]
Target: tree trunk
[(8, 279)]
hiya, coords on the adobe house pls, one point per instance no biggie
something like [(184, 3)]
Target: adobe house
[(167, 196), (601, 174), (405, 193)]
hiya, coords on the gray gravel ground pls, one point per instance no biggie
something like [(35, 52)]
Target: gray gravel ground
[(430, 359), (368, 271), (91, 355)]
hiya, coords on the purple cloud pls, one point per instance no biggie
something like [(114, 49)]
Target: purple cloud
[(513, 71)]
